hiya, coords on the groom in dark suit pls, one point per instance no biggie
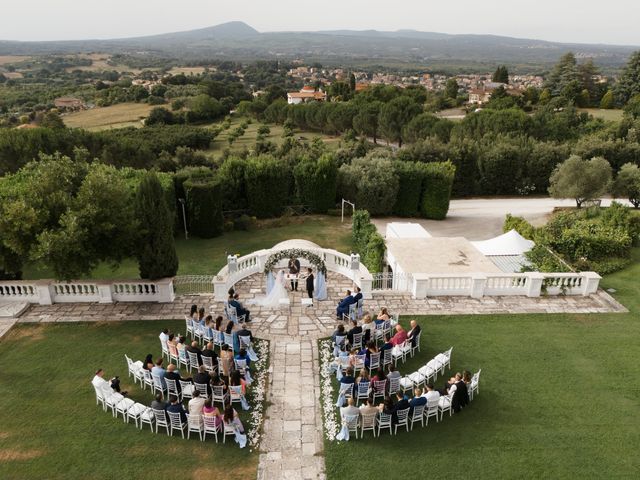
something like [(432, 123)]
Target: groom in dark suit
[(294, 269), (310, 282)]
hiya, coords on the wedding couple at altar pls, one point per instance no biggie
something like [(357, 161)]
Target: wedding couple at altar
[(277, 284)]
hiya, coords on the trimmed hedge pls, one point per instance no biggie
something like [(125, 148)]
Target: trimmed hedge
[(372, 182), (410, 177), (204, 207), (232, 173), (374, 253), (522, 226), (367, 241), (315, 182), (436, 192), (267, 182)]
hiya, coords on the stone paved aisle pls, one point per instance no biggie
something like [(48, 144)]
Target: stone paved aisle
[(292, 445)]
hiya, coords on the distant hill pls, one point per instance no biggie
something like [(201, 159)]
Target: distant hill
[(239, 41)]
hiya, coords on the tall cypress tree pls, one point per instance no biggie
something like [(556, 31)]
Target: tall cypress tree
[(157, 257)]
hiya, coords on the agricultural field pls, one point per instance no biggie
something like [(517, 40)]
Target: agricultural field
[(104, 118), (187, 70), (100, 64), (7, 59)]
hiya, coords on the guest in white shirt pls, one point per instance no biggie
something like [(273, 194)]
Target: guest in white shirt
[(431, 393), (164, 335), (196, 404), (350, 409), (98, 381)]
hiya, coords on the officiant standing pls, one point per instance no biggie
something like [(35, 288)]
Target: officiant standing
[(310, 282), (294, 269)]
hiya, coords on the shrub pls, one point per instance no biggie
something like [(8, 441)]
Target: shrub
[(373, 255), (234, 192), (315, 182), (244, 222), (520, 225), (361, 229), (157, 257), (267, 182), (374, 183), (204, 206), (436, 192), (410, 178)]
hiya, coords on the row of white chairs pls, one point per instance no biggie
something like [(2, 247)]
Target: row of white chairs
[(428, 372), (170, 421)]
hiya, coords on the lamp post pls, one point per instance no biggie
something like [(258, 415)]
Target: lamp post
[(184, 218)]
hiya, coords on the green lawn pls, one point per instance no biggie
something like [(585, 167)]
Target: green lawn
[(559, 398), (205, 257), (608, 115), (52, 429)]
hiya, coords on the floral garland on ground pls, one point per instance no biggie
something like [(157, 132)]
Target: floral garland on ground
[(313, 258), (258, 391), (331, 424)]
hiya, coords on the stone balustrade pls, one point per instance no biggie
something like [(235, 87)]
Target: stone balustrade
[(530, 284), (47, 292)]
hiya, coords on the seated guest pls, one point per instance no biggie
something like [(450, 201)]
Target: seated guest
[(368, 408), (358, 295), (159, 403), (240, 310), (148, 362), (417, 400), (159, 371), (393, 373), (217, 381), (176, 407), (449, 387), (383, 316), (210, 410), (337, 347), (201, 316), (226, 360), (98, 381), (387, 407), (367, 328), (466, 377), (181, 344), (371, 348), (218, 327), (379, 376), (245, 332), (164, 335), (363, 377), (387, 345), (348, 376), (172, 340), (173, 374), (193, 313), (355, 328), (242, 355), (230, 418), (196, 404), (229, 331), (400, 336), (412, 336), (211, 353), (194, 348), (431, 394), (343, 306), (236, 380), (401, 404), (350, 409), (202, 377), (461, 394)]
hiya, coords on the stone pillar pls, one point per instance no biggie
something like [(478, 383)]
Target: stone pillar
[(220, 290), (105, 293), (590, 283), (232, 263), (420, 286), (366, 284), (166, 293), (478, 283), (534, 284), (45, 292)]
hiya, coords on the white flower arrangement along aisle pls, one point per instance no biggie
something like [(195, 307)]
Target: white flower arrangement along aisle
[(331, 425), (258, 391)]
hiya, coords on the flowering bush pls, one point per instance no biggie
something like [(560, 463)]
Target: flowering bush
[(331, 424), (258, 392)]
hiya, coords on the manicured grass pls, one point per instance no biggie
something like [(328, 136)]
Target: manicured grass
[(608, 115), (558, 399), (103, 118), (207, 256), (52, 429)]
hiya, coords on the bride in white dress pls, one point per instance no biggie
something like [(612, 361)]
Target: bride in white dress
[(278, 292)]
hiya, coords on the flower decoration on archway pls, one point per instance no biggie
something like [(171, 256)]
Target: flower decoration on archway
[(313, 258)]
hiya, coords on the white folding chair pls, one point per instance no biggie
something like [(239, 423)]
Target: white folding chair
[(362, 391), (161, 419), (357, 341), (352, 422), (207, 335), (399, 352), (384, 421), (228, 429), (112, 400), (417, 344), (218, 394), (402, 420), (210, 426), (228, 340), (434, 366), (232, 314), (405, 384), (176, 423), (444, 405), (374, 362), (417, 415), (368, 422), (165, 350), (135, 411), (208, 364), (346, 391), (100, 397), (360, 308), (474, 386), (189, 325), (427, 372), (173, 353), (394, 384), (193, 360), (236, 395), (359, 363), (147, 417), (444, 359), (387, 357), (123, 406), (351, 315), (186, 389), (202, 388), (183, 358), (195, 424), (416, 378), (432, 409), (172, 389), (379, 389)]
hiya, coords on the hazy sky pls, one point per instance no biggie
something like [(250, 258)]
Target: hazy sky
[(614, 21)]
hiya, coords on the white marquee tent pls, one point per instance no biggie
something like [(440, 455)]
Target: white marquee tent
[(510, 243)]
